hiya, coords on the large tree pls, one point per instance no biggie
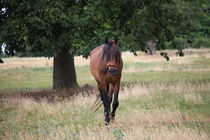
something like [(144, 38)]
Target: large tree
[(56, 29)]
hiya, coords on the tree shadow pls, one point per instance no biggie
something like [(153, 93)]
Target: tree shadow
[(51, 95)]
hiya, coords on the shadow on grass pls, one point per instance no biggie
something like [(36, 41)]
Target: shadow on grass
[(51, 95)]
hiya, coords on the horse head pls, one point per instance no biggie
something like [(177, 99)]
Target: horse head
[(112, 54)]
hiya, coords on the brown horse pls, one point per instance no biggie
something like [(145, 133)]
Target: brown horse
[(106, 66)]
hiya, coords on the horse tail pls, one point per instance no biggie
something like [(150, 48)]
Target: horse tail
[(97, 103)]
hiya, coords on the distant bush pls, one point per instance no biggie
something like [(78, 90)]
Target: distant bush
[(177, 43), (3, 56), (168, 45), (30, 54), (201, 43)]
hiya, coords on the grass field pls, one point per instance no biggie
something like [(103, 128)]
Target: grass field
[(158, 100)]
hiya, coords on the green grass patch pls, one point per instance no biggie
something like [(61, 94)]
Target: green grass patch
[(41, 77)]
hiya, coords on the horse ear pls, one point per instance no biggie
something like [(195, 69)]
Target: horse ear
[(116, 39), (106, 40)]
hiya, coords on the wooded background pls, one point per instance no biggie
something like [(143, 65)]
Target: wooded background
[(65, 28)]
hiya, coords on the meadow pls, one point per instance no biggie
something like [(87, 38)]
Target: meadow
[(159, 99)]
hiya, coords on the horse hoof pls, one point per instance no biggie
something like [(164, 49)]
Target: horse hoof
[(107, 125), (112, 119)]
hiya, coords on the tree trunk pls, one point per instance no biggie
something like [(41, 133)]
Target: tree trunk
[(151, 47), (64, 75)]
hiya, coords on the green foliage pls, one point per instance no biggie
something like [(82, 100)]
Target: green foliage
[(196, 19), (201, 43), (3, 56), (179, 43), (30, 54), (136, 22), (44, 26), (165, 55), (49, 26)]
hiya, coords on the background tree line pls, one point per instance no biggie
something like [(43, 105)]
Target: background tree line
[(64, 28)]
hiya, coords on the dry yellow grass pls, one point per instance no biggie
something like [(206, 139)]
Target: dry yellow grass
[(189, 53), (17, 62), (130, 123), (135, 134)]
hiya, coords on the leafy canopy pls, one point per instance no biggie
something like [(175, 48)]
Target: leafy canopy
[(44, 26), (47, 26)]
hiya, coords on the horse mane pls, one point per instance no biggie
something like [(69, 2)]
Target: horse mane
[(111, 52)]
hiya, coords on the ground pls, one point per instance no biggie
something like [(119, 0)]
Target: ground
[(159, 99)]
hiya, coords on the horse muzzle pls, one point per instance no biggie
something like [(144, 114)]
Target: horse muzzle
[(112, 70)]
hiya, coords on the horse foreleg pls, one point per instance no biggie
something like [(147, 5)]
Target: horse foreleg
[(107, 102), (115, 102)]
